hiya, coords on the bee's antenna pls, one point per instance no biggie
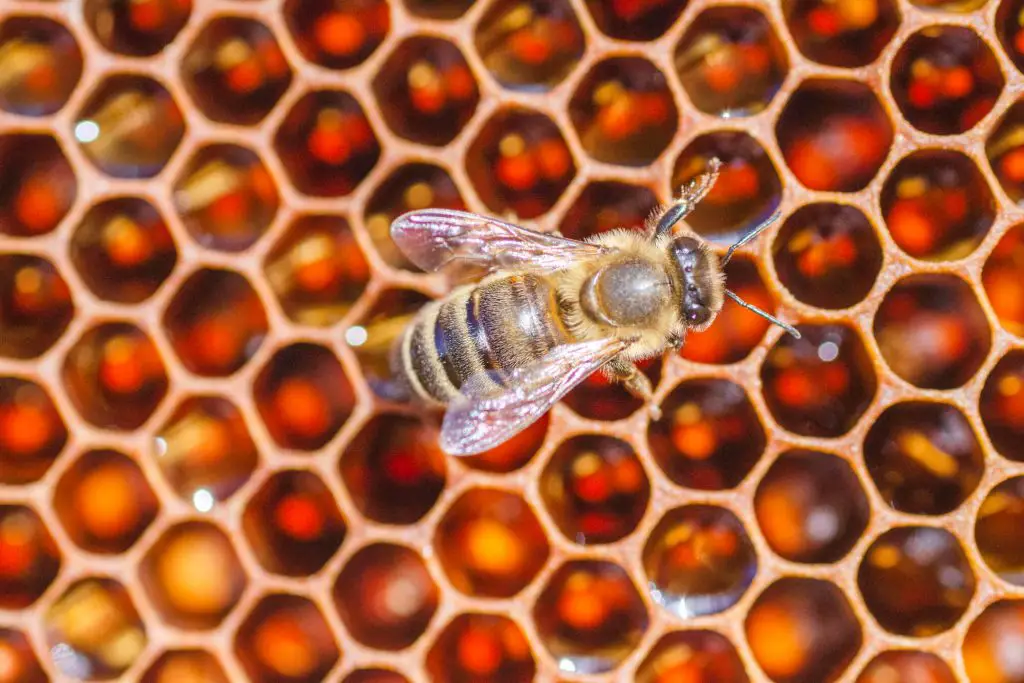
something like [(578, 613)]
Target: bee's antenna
[(750, 235), (764, 314)]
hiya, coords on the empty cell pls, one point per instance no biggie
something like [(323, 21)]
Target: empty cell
[(32, 432), (141, 28), (337, 36), (42, 64), (36, 305), (37, 184), (481, 647), (285, 637), (848, 33), (31, 558)]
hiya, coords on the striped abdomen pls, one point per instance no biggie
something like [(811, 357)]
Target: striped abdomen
[(501, 323)]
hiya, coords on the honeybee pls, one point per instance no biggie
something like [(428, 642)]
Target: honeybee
[(550, 311)]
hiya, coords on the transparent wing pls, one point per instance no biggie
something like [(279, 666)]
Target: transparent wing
[(493, 407), (435, 238)]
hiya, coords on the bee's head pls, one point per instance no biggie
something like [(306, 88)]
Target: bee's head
[(701, 279)]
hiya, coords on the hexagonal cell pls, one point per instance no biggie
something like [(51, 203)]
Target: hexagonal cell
[(285, 637), (18, 661), (698, 656), (530, 44), (439, 9), (215, 322), (235, 71), (426, 91), (411, 187), (710, 436), (906, 665), (850, 34), (226, 197), (954, 6), (317, 270), (605, 205), (303, 396), (1009, 26), (326, 144), (520, 164), (924, 457), (640, 20), (490, 543), (834, 134), (130, 126), (41, 62), (30, 557), (123, 249), (748, 189), (514, 453), (35, 305), (598, 398), (699, 561), (932, 332), (374, 335), (819, 385), (811, 507), (937, 205), (595, 489), (81, 625), (623, 112), (945, 79), (802, 630), (191, 665), (736, 331), (394, 469), (731, 62), (1003, 279), (32, 432), (999, 530), (1002, 406), (375, 675), (193, 576), (992, 642), (141, 28), (481, 647), (590, 617), (337, 36), (827, 255), (916, 581), (38, 186), (204, 450), (105, 502), (1006, 153), (293, 524), (386, 596), (114, 376)]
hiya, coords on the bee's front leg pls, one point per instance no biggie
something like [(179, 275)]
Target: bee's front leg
[(636, 383)]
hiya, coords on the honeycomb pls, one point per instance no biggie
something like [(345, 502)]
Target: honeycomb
[(197, 483)]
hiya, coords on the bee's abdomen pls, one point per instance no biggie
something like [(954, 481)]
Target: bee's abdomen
[(498, 325)]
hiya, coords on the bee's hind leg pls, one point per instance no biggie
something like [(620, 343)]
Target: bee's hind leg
[(636, 383)]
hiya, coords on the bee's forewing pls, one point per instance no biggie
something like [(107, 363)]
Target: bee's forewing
[(435, 238), (493, 407)]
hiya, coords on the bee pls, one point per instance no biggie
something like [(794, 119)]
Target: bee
[(549, 311)]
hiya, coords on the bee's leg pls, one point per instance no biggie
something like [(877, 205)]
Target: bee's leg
[(636, 383), (689, 196)]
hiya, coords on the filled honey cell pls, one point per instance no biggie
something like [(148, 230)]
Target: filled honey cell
[(36, 305), (105, 502), (529, 44), (490, 544), (32, 432), (38, 186), (932, 332), (123, 249), (692, 656), (849, 33), (991, 642), (375, 675), (998, 530), (731, 62), (598, 398), (1002, 406), (285, 637), (709, 437), (906, 665), (18, 661), (1005, 152), (945, 79), (42, 64), (916, 581), (828, 255), (608, 205), (192, 665), (293, 524), (481, 647), (385, 596), (595, 489), (337, 36), (137, 29), (698, 561), (1009, 27), (439, 9), (31, 557), (1003, 279), (640, 20)]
